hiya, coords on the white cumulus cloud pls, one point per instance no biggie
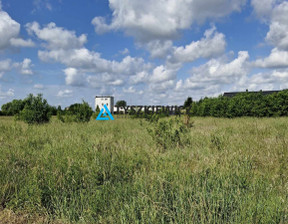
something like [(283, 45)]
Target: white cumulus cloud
[(74, 77), (162, 73), (18, 42), (65, 93), (211, 45), (24, 67), (5, 65), (278, 32), (263, 8), (159, 48), (140, 77), (131, 89), (9, 29), (276, 59), (163, 19), (6, 94), (216, 73), (38, 86), (9, 32), (56, 37)]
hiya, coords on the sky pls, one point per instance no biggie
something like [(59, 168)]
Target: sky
[(152, 52)]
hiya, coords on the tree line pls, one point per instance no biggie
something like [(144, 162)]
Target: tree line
[(36, 110), (247, 104)]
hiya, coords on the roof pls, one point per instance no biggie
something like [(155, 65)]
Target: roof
[(104, 96), (231, 94)]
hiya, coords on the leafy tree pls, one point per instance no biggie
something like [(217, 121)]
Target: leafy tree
[(59, 108), (76, 113), (188, 102), (6, 109), (84, 112), (243, 104), (13, 108), (53, 110), (74, 107), (97, 109), (121, 103), (36, 110)]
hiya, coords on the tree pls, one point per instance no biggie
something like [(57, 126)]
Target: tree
[(36, 110), (53, 110), (78, 112), (121, 103), (84, 112), (12, 108), (188, 102), (97, 109), (59, 108), (6, 109), (74, 107)]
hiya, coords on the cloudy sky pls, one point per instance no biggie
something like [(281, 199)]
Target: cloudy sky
[(145, 52)]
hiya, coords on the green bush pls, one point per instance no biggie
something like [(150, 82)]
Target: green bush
[(168, 134), (76, 113), (36, 110), (96, 113)]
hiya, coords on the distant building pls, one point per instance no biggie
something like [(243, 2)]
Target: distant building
[(231, 94), (101, 100)]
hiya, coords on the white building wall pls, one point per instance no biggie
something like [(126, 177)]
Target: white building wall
[(101, 100)]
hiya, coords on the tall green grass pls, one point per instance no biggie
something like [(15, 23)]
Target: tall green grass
[(227, 171)]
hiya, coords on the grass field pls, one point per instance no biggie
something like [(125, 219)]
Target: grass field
[(227, 171)]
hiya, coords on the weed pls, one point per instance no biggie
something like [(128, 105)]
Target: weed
[(218, 171), (168, 134)]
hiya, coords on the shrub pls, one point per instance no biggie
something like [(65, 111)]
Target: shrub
[(53, 110), (96, 113), (170, 133), (76, 113), (36, 110)]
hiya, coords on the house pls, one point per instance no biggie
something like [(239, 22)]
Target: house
[(101, 100), (231, 94)]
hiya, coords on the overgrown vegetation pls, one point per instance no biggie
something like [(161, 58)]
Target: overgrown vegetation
[(14, 107), (169, 133), (36, 110), (228, 171), (243, 104), (79, 112)]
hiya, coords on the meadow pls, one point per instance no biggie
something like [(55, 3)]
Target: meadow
[(128, 171)]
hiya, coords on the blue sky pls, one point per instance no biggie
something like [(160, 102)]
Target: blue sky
[(144, 52)]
